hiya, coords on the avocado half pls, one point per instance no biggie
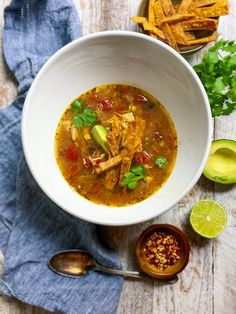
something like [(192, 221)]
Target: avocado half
[(221, 164)]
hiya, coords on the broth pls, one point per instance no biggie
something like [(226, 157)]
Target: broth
[(116, 145)]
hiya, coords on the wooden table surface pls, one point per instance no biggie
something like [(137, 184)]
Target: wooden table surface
[(208, 284)]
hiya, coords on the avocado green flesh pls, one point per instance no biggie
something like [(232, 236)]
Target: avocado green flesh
[(221, 165), (99, 133)]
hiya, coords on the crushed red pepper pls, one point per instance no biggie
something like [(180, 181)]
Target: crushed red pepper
[(162, 250)]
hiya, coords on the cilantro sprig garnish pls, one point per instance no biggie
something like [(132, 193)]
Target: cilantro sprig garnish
[(132, 177), (217, 71), (87, 117)]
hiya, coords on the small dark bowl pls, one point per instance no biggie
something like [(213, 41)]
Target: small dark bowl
[(184, 50), (170, 271)]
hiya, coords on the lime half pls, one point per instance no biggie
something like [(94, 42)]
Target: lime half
[(208, 218)]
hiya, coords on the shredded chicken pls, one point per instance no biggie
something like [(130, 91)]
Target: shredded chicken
[(108, 164)]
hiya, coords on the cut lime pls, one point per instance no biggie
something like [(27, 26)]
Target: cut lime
[(208, 218)]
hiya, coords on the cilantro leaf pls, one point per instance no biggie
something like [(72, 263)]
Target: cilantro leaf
[(217, 71), (161, 161), (138, 170), (77, 105), (132, 177), (77, 121), (87, 118)]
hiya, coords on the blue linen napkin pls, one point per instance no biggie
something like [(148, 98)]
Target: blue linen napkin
[(32, 227)]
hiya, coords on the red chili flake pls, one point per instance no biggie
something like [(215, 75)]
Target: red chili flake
[(71, 153), (139, 99), (162, 250), (142, 158)]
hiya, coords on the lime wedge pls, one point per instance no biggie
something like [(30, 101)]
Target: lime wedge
[(208, 218)]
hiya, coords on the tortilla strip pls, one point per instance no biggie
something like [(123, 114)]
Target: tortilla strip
[(111, 178), (167, 7), (190, 35), (176, 18), (213, 11), (151, 28), (209, 24), (151, 14), (184, 6), (140, 128), (202, 3), (128, 150), (203, 40), (159, 14), (114, 137), (138, 19), (220, 3), (114, 142)]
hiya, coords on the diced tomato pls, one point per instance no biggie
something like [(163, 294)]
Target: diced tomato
[(142, 158), (140, 99), (71, 153), (105, 105)]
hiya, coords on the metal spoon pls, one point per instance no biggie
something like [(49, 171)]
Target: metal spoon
[(77, 263)]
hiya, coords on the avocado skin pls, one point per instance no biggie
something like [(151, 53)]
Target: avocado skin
[(229, 146)]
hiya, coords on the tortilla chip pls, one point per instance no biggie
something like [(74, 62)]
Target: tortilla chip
[(151, 14), (190, 35), (158, 32), (159, 14), (138, 19), (184, 6), (213, 11), (196, 24), (169, 36), (179, 34), (203, 40), (202, 3), (167, 7), (176, 18)]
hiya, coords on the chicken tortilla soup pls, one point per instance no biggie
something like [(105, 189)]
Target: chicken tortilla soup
[(116, 145)]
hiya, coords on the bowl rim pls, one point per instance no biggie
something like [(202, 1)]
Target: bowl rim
[(178, 233), (104, 34)]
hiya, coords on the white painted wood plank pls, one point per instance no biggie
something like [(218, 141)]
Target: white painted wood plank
[(208, 283)]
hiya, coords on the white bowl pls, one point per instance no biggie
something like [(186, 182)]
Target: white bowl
[(117, 57)]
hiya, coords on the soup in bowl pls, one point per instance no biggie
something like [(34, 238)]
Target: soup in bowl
[(116, 128)]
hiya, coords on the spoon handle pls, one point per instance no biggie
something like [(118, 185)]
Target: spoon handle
[(126, 273)]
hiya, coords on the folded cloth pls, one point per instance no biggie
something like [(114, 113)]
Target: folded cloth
[(32, 227)]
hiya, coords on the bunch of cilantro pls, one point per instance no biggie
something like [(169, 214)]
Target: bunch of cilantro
[(217, 71)]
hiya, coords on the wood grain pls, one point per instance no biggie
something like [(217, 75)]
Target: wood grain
[(208, 283)]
